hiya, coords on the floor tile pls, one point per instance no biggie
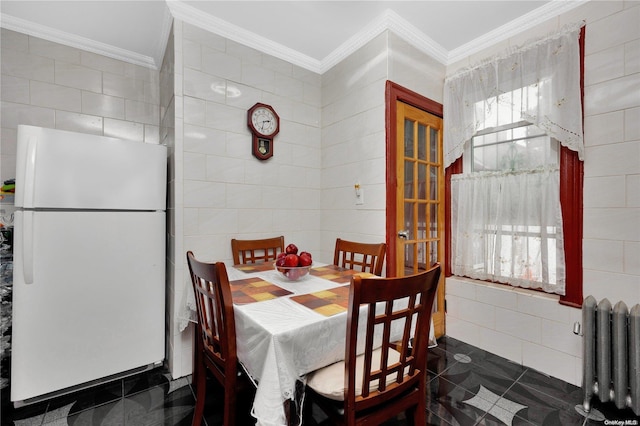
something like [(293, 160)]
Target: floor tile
[(471, 377), (146, 380), (551, 386), (84, 399), (447, 401), (156, 407), (109, 414)]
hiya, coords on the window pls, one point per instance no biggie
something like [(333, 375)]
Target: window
[(518, 120), (517, 146)]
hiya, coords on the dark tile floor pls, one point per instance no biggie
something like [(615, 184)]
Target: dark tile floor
[(467, 386)]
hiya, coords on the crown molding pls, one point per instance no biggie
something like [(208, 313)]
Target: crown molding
[(525, 22), (16, 24), (387, 21), (193, 16), (391, 21), (353, 43), (416, 38), (163, 40)]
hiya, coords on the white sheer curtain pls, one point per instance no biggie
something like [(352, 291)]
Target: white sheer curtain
[(552, 65), (507, 227)]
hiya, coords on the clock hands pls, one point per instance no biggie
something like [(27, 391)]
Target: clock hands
[(263, 124)]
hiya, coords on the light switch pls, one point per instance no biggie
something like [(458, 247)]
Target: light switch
[(359, 194)]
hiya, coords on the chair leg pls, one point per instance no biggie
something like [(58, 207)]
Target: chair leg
[(200, 371), (230, 393), (418, 413)]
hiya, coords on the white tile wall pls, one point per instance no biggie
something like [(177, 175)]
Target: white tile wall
[(105, 105), (15, 89), (55, 96), (81, 123), (78, 76), (509, 322)]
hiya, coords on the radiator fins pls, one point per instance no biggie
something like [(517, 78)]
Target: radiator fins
[(611, 354)]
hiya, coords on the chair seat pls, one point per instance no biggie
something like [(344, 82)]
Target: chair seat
[(329, 381)]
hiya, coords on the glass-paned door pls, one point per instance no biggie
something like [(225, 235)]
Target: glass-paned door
[(420, 198)]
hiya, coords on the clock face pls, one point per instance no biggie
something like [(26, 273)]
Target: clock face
[(264, 121)]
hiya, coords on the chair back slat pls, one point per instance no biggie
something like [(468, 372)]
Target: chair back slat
[(254, 251), (362, 257)]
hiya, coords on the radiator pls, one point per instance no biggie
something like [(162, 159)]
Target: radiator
[(611, 354)]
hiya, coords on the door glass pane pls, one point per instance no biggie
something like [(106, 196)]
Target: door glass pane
[(422, 256), (433, 179), (433, 146), (433, 253), (422, 181), (422, 142), (408, 138), (433, 221), (408, 179), (423, 215), (408, 219), (408, 257)]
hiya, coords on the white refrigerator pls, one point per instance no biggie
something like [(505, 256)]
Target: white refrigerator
[(89, 261)]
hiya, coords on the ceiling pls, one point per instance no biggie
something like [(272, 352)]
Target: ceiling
[(313, 34)]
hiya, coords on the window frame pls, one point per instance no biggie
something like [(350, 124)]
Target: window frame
[(571, 201)]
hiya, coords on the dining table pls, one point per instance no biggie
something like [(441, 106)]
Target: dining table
[(287, 329)]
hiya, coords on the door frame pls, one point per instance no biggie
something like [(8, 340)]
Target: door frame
[(393, 93)]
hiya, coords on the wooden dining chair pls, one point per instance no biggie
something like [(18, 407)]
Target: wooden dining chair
[(216, 337), (254, 251), (364, 257), (380, 383)]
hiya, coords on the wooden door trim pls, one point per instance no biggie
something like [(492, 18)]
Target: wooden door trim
[(394, 93)]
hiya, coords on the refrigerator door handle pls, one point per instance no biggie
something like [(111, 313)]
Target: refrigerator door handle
[(30, 171), (27, 247)]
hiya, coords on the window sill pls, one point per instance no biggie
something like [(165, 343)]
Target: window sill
[(508, 288)]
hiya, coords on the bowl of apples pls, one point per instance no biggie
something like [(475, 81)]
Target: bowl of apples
[(292, 265)]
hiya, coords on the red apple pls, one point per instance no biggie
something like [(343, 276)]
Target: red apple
[(291, 249), (280, 260), (303, 253), (291, 260), (305, 259), (281, 255)]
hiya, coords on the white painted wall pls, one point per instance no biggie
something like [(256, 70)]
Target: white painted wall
[(532, 328)]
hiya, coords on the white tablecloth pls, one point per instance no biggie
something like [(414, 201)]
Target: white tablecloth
[(279, 341)]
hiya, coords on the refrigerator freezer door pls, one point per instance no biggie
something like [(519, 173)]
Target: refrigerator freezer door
[(68, 170), (95, 306)]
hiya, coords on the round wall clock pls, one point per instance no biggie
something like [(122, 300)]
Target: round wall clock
[(264, 124)]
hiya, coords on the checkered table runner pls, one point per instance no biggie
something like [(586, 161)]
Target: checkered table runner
[(254, 267), (337, 274), (326, 302), (256, 289)]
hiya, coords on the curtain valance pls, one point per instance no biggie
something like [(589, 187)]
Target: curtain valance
[(551, 65)]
